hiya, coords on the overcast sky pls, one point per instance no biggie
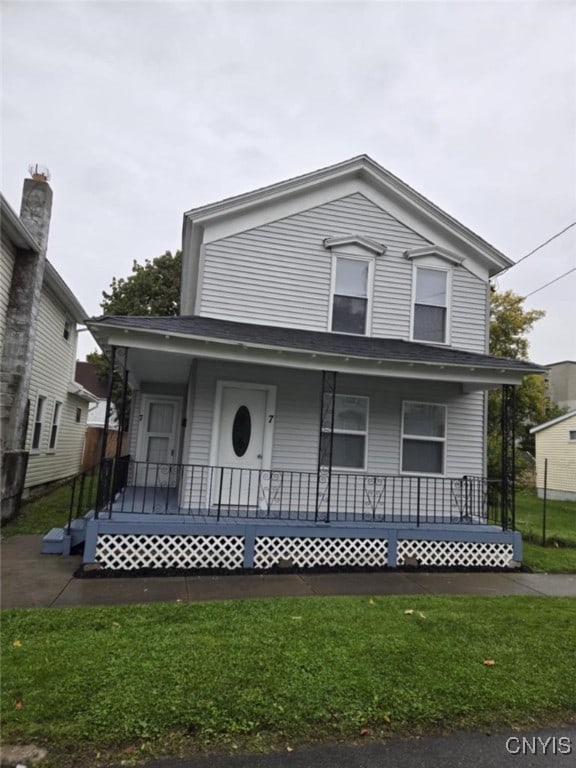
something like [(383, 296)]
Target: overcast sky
[(142, 110)]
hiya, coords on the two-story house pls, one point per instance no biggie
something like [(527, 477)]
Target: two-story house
[(43, 409), (321, 399)]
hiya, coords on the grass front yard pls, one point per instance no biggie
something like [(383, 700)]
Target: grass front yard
[(255, 674)]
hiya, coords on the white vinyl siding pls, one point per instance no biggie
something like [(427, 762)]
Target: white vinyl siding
[(6, 269), (280, 274), (297, 419), (554, 444), (52, 371)]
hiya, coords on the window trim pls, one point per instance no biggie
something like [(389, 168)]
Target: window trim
[(55, 424), (78, 416), (38, 448), (572, 435), (67, 331), (364, 433), (369, 291), (448, 270), (423, 438)]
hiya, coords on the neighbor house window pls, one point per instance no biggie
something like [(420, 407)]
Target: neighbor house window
[(67, 329), (78, 415), (423, 438), (572, 435), (431, 305), (55, 425), (38, 421), (350, 297), (350, 431)]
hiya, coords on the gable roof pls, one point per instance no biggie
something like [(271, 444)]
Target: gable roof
[(359, 167), (552, 422), (18, 234)]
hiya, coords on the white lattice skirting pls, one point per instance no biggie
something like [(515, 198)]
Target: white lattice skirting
[(466, 554), (128, 551), (309, 551)]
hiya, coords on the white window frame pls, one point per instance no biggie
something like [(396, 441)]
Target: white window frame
[(425, 264), (55, 423), (369, 291), (364, 433), (44, 399), (424, 439), (572, 435)]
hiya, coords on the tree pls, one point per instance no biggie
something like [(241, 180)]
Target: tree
[(151, 289), (510, 324)]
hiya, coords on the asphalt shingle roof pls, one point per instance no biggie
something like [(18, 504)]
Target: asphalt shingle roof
[(320, 342)]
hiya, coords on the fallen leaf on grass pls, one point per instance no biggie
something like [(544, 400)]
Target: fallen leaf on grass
[(296, 618), (371, 601), (17, 644), (489, 662), (19, 704), (409, 612), (364, 731), (289, 749), (422, 615)]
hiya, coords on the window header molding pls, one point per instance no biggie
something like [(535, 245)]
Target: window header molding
[(357, 240), (434, 250)]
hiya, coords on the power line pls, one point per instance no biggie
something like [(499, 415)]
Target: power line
[(539, 247), (551, 282)]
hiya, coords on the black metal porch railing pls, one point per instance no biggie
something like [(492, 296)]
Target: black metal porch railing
[(226, 493)]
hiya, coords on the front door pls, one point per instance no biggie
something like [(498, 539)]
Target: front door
[(240, 445), (159, 430)]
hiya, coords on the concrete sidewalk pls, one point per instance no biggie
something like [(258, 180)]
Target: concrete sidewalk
[(30, 579)]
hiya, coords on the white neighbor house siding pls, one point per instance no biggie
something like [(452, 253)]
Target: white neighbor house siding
[(6, 269), (296, 424), (553, 443), (52, 371), (280, 274)]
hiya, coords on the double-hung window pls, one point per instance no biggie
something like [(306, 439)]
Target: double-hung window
[(431, 305), (38, 421), (350, 296), (423, 438), (55, 425), (350, 431)]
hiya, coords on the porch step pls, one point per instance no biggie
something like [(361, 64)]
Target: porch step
[(59, 542)]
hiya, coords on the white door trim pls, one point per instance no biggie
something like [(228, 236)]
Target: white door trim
[(140, 442), (268, 419)]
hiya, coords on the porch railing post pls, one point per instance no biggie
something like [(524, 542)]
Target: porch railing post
[(326, 438), (508, 466), (102, 479)]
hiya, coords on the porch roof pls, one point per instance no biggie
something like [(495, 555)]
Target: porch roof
[(295, 347)]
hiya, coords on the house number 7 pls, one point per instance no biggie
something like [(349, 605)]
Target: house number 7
[(270, 417)]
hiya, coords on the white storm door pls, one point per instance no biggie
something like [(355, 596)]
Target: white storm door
[(240, 446), (158, 441)]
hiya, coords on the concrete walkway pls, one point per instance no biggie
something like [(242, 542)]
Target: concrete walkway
[(30, 579)]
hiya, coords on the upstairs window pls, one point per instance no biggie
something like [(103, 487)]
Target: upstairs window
[(38, 421), (350, 432), (350, 297), (55, 425), (423, 438), (67, 329), (431, 305), (572, 435)]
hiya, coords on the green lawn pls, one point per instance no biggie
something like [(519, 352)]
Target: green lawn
[(560, 519), (265, 673), (51, 510)]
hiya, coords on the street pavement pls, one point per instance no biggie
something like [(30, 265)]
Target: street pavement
[(548, 748), (33, 580)]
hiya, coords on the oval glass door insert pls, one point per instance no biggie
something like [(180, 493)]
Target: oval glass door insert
[(241, 431)]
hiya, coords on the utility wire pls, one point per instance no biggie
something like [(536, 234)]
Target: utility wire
[(539, 247), (551, 282)]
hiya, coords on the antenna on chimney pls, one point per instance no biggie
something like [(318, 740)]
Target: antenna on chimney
[(39, 172)]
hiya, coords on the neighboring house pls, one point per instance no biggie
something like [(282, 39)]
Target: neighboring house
[(556, 457), (43, 410), (87, 375), (561, 380), (321, 400)]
